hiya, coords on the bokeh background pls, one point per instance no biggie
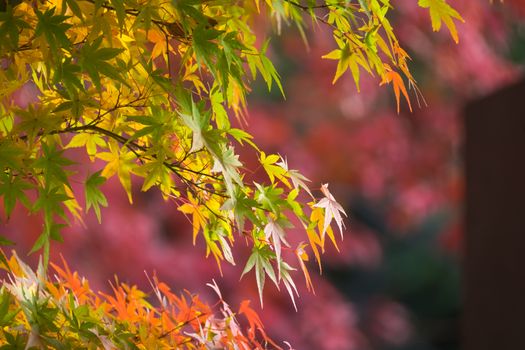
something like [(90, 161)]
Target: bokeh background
[(396, 283)]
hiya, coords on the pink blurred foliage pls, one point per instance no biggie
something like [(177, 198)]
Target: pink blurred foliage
[(389, 322), (360, 248), (25, 95)]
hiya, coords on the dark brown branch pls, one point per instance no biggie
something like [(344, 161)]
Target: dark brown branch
[(308, 8), (173, 29), (135, 147)]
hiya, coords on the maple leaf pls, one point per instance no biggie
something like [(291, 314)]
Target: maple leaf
[(288, 281), (90, 141), (121, 163), (52, 164), (226, 249), (260, 258), (156, 173), (53, 28), (227, 164), (298, 179), (94, 59), (274, 230), (102, 74), (198, 123), (159, 40), (195, 209), (68, 73), (204, 45), (10, 26), (242, 136), (252, 317), (265, 66), (273, 169), (268, 197), (302, 257), (440, 11), (315, 242), (348, 59), (13, 189), (398, 84), (332, 209), (94, 197)]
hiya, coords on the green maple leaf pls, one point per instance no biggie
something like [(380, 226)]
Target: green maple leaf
[(144, 17), (95, 61), (49, 201), (242, 136), (265, 66), (11, 156), (94, 197), (231, 45), (269, 197), (53, 28), (242, 207), (155, 173), (205, 48), (10, 28), (120, 11), (36, 120), (230, 162), (6, 299), (13, 189), (67, 74), (74, 7), (191, 11), (52, 163), (155, 124), (5, 241)]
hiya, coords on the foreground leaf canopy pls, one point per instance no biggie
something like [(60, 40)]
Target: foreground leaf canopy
[(64, 313), (150, 89)]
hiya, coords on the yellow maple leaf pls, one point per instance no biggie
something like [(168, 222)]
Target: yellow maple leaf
[(440, 11), (121, 163), (198, 216)]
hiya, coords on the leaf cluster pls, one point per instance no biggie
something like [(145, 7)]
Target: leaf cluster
[(64, 313), (150, 89)]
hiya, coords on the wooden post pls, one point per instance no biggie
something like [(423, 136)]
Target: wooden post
[(494, 251)]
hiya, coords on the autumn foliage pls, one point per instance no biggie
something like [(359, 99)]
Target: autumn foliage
[(62, 312), (152, 91)]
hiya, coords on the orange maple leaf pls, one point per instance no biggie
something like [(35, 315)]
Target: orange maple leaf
[(393, 77)]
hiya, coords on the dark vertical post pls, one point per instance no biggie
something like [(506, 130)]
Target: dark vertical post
[(494, 255)]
